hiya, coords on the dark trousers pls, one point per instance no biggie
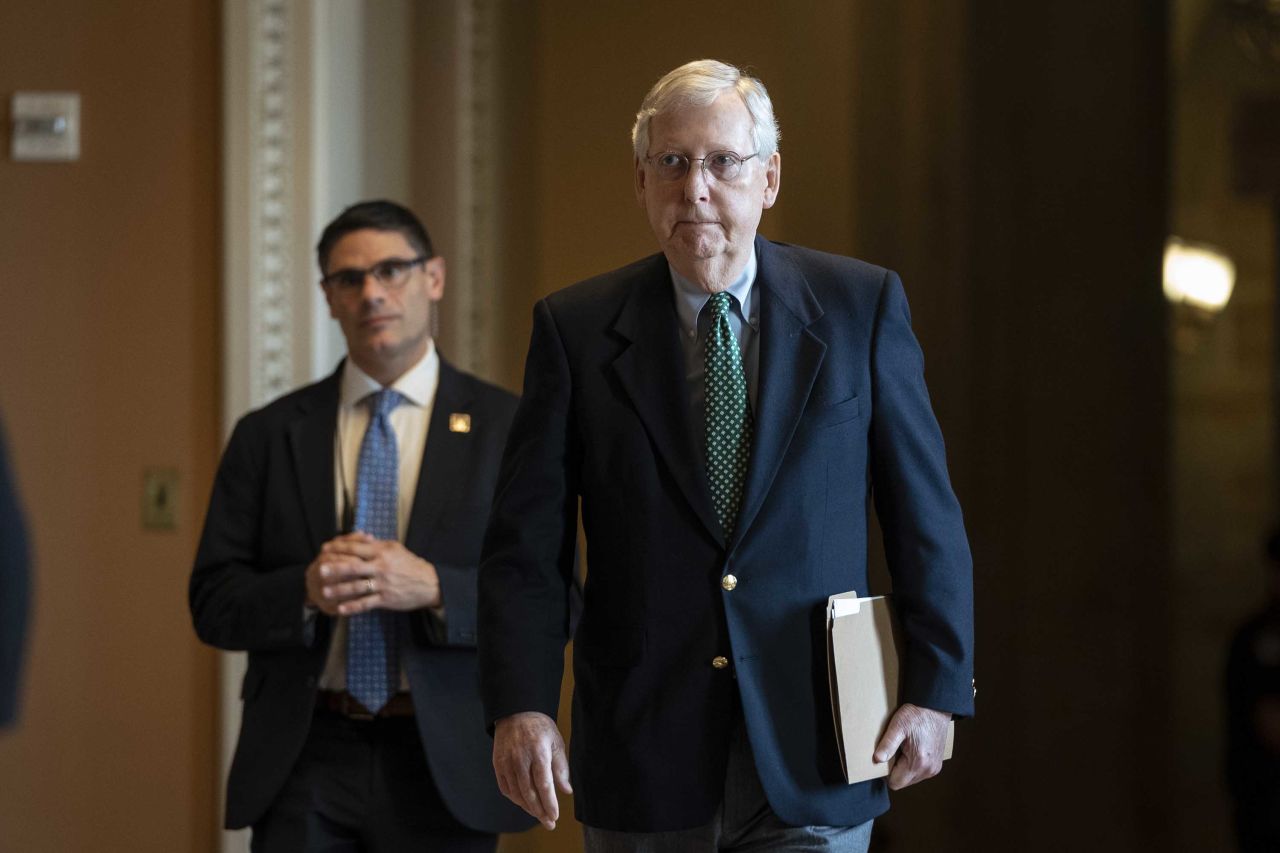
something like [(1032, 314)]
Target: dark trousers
[(744, 822), (362, 785)]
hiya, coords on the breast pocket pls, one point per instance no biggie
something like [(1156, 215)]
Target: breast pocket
[(836, 413)]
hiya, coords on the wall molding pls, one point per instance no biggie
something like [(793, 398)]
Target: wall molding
[(295, 132), (471, 309), (265, 200)]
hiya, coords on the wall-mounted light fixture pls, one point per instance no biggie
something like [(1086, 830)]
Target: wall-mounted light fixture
[(1197, 275), (1198, 280)]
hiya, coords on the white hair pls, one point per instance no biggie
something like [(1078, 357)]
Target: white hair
[(698, 84)]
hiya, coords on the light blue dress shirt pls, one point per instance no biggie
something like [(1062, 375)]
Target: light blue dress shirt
[(744, 321)]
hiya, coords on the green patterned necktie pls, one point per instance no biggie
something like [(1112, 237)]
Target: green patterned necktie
[(728, 415)]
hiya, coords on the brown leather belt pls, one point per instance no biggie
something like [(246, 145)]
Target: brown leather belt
[(342, 702)]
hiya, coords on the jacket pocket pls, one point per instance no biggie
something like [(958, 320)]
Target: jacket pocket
[(836, 413)]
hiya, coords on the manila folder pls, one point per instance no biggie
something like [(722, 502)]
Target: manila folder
[(862, 668)]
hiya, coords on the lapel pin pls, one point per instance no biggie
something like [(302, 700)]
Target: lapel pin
[(459, 422)]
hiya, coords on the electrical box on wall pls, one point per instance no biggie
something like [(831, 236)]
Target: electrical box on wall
[(46, 126), (160, 498)]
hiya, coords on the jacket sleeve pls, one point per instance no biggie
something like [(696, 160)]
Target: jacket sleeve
[(455, 627), (925, 543), (237, 603), (526, 585)]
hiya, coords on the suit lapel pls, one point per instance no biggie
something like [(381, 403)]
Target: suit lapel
[(446, 458), (311, 437), (652, 372), (790, 356)]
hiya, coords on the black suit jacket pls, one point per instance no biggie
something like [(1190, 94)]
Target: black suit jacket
[(842, 417), (272, 508)]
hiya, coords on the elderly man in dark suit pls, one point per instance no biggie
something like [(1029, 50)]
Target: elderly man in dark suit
[(340, 550), (724, 413)]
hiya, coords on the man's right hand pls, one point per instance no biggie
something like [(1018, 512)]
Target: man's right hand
[(335, 577), (528, 754)]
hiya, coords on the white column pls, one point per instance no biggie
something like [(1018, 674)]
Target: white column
[(316, 115)]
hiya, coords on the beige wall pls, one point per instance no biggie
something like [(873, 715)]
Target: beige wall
[(108, 364)]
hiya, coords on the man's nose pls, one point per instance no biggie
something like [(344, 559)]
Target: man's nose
[(696, 186), (372, 289)]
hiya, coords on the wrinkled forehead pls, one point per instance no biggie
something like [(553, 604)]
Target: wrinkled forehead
[(724, 123)]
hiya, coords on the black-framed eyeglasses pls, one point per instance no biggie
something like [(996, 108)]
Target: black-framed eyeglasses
[(391, 274), (721, 165)]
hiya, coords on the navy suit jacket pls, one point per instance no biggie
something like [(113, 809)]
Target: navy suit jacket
[(843, 418), (272, 508)]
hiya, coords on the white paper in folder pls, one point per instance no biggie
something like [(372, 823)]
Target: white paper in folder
[(862, 667)]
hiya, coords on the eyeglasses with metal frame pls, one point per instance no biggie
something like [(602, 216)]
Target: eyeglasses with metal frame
[(391, 273), (724, 166)]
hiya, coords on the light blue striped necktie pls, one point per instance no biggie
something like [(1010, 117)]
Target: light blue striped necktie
[(373, 659)]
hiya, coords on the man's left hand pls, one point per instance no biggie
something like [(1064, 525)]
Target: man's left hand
[(390, 575), (913, 744)]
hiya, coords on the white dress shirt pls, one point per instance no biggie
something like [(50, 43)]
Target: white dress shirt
[(409, 421)]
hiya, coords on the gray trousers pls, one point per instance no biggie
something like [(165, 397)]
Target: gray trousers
[(744, 822)]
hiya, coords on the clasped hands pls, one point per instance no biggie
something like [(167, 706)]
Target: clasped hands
[(530, 763), (355, 572)]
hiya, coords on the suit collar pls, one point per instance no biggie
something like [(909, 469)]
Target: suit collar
[(651, 370), (311, 437), (447, 458), (417, 384), (790, 357), (690, 298), (786, 282)]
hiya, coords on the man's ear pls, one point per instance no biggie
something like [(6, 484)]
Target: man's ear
[(435, 270), (640, 181), (773, 179)]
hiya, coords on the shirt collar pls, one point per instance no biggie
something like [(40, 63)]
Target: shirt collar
[(417, 384), (690, 298)]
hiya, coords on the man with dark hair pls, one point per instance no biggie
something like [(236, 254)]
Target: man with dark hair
[(340, 550), (1253, 718)]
